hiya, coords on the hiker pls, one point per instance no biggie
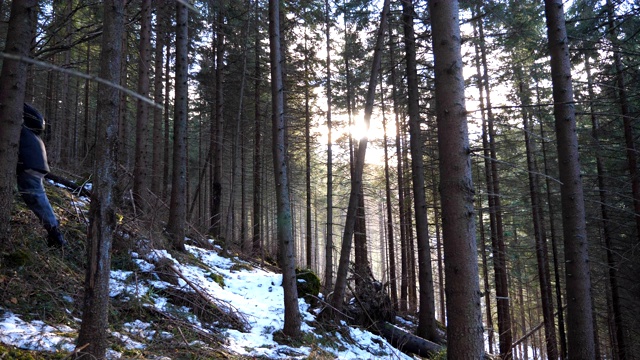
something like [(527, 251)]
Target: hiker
[(32, 167)]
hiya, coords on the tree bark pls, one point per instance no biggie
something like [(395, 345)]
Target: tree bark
[(86, 123), (464, 328), (554, 243), (402, 302), (307, 152), (389, 208), (436, 217), (156, 159), (618, 343), (410, 250), (13, 80), (579, 305), (328, 280), (141, 180), (427, 316), (102, 226), (218, 132), (544, 275), (167, 89), (495, 208), (280, 168), (485, 276), (124, 152), (257, 236), (178, 203), (237, 141), (361, 257)]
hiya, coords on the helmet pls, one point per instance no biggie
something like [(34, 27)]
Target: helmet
[(32, 118)]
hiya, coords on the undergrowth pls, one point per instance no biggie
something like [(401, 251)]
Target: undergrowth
[(46, 284)]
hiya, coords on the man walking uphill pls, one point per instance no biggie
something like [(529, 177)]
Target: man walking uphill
[(32, 167)]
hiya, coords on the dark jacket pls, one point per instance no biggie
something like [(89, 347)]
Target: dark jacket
[(32, 153)]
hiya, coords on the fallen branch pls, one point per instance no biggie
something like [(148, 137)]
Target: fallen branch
[(326, 304), (532, 331), (233, 315), (212, 338)]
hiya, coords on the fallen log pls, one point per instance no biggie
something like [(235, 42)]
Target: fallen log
[(405, 341), (75, 188)]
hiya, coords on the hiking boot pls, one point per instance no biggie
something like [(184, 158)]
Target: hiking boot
[(55, 238)]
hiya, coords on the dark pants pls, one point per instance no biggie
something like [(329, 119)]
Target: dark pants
[(32, 191)]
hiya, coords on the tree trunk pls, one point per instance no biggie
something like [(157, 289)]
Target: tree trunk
[(495, 208), (178, 204), (124, 153), (141, 180), (328, 280), (464, 328), (307, 152), (13, 80), (485, 276), (384, 240), (436, 217), (65, 122), (94, 329), (427, 315), (160, 29), (618, 343), (487, 166), (406, 341), (280, 169), (361, 263), (554, 242), (356, 181), (389, 207), (243, 197), (218, 132), (86, 123), (257, 236), (410, 243), (523, 341), (402, 303), (237, 143), (578, 282), (167, 90), (544, 276), (627, 116)]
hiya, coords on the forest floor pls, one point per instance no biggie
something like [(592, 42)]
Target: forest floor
[(164, 305)]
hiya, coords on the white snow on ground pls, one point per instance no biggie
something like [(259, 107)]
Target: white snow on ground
[(256, 294)]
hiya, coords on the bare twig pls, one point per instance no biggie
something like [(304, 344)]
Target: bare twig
[(182, 335)]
